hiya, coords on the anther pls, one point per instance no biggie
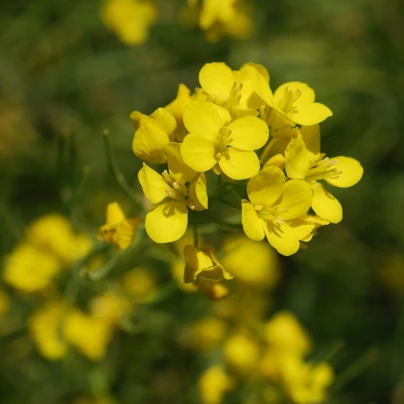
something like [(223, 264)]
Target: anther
[(175, 185), (218, 156), (258, 208)]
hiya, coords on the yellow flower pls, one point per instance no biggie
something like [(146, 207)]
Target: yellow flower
[(46, 328), (293, 103), (30, 269), (262, 271), (224, 17), (129, 19), (118, 230), (89, 334), (54, 234), (168, 220), (204, 334), (285, 334), (153, 134), (140, 284), (305, 161), (306, 383), (273, 203), (202, 263), (240, 92), (241, 353), (177, 107), (216, 142), (110, 307), (214, 384)]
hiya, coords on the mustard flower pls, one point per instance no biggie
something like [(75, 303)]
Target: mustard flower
[(273, 203), (139, 284), (154, 133), (240, 92), (215, 141), (224, 17), (262, 271), (168, 220), (293, 103), (110, 307), (118, 230), (129, 19), (305, 161), (89, 334), (46, 329), (214, 384), (202, 263), (29, 269)]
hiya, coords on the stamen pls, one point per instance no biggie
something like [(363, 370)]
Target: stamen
[(175, 185), (169, 193), (218, 156), (258, 208)]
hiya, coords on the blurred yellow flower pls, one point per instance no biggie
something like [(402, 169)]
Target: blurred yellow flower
[(130, 20), (284, 333), (224, 17), (241, 353), (53, 234), (215, 141), (305, 161), (262, 271), (46, 328), (204, 335), (306, 383), (118, 230), (30, 269), (214, 384), (110, 307), (89, 334), (273, 203), (139, 284), (173, 193)]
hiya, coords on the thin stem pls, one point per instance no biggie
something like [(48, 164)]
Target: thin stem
[(195, 229), (267, 149), (119, 177)]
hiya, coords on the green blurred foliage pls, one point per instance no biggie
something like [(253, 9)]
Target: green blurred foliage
[(64, 78)]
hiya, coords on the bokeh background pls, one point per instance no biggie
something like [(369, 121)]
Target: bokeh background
[(64, 78)]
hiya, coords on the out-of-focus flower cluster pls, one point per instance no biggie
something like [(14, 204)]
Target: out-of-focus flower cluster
[(131, 20), (245, 350)]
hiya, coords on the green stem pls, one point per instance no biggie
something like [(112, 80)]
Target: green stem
[(355, 369), (119, 177), (195, 229)]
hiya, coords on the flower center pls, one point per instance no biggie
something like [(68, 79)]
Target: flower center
[(288, 99), (223, 140), (270, 213), (174, 190), (325, 168)]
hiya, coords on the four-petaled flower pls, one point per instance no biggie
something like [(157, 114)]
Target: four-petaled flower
[(273, 202)]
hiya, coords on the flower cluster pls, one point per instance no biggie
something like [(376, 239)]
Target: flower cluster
[(264, 147)]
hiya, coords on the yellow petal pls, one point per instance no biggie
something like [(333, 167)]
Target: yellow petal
[(266, 187), (311, 138), (164, 120), (298, 159), (202, 118), (153, 184), (239, 164), (306, 93), (149, 144), (282, 237), (248, 133), (176, 107), (352, 172), (253, 225), (198, 153), (296, 199), (167, 222), (217, 80), (278, 160), (305, 225), (176, 165), (310, 114), (325, 204), (115, 214), (198, 194)]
